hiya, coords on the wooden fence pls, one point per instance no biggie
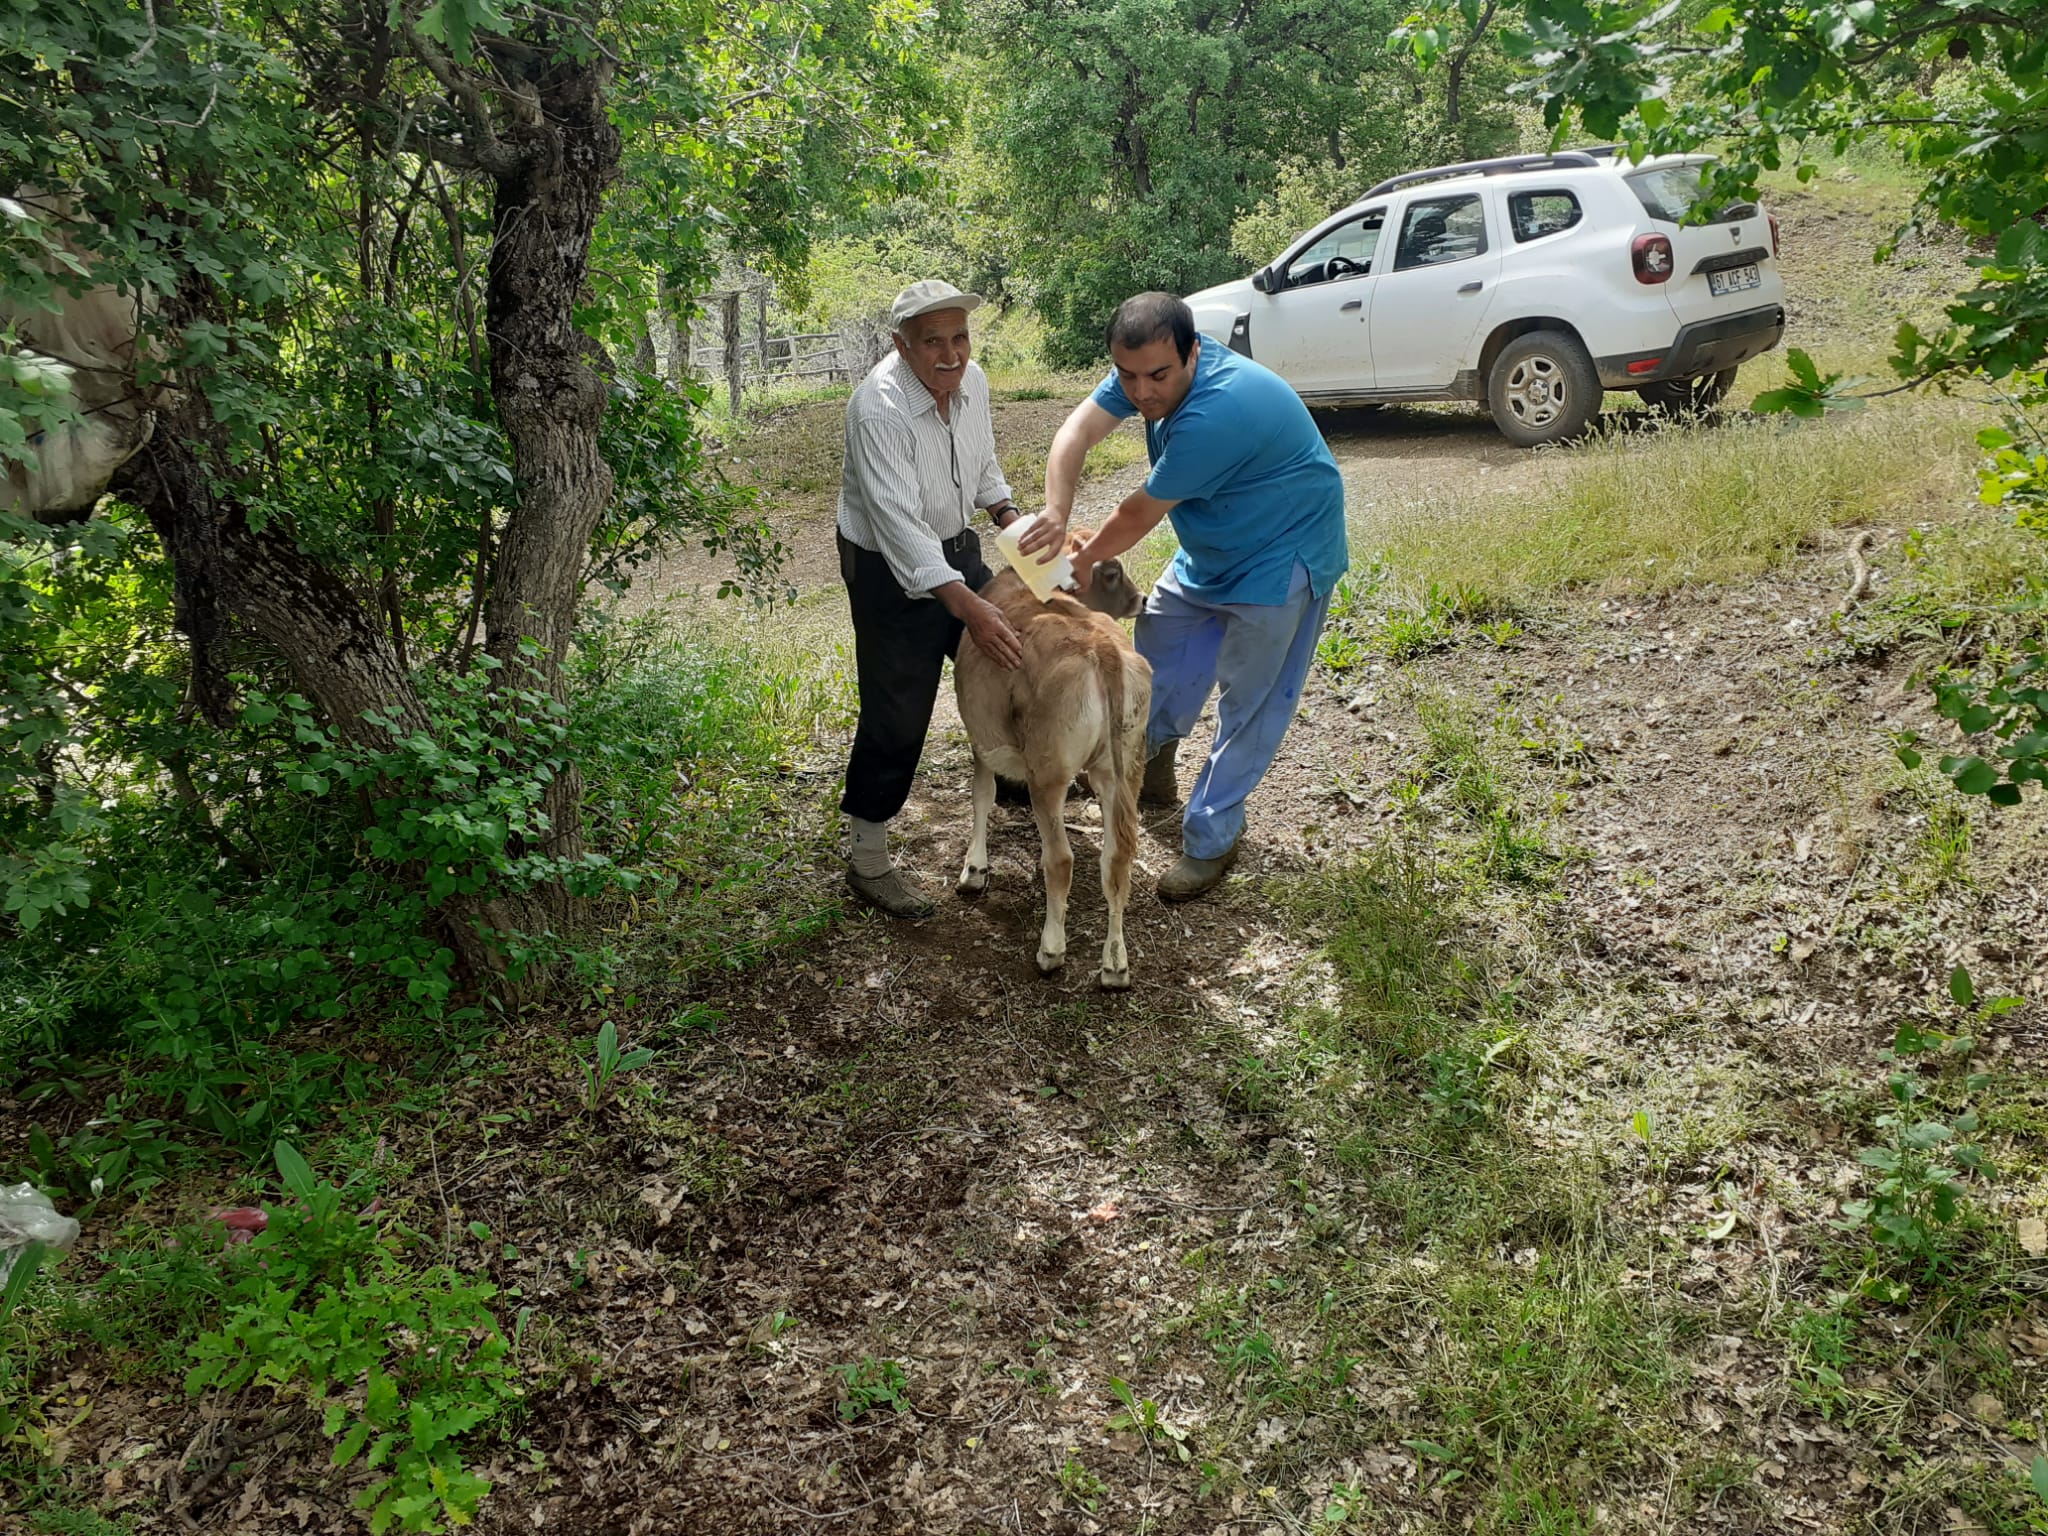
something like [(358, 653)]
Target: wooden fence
[(748, 354)]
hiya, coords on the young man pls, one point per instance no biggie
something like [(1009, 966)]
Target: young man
[(1258, 506), (920, 457)]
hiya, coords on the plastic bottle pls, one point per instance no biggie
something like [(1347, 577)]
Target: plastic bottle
[(1041, 578)]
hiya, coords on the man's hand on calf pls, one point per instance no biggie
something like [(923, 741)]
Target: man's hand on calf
[(991, 632)]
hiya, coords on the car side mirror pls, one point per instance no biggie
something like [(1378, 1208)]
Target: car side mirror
[(1263, 280)]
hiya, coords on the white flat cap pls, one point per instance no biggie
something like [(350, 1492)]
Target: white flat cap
[(923, 298)]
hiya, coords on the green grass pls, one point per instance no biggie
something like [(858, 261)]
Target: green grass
[(1448, 1262), (1684, 506), (695, 735), (1958, 594), (1116, 451)]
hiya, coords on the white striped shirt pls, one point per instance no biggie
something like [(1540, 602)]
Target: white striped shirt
[(897, 494)]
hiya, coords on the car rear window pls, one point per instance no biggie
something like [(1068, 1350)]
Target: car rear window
[(1671, 192), (1532, 215), (1441, 229)]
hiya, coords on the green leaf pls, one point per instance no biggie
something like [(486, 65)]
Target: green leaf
[(1961, 988), (1974, 776), (351, 1444), (296, 1172), (2040, 1478), (26, 1263), (1772, 401)]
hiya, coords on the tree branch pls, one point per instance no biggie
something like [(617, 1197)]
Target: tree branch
[(454, 153), (788, 69), (488, 153)]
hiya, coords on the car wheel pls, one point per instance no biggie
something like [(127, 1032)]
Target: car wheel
[(1686, 397), (1543, 389)]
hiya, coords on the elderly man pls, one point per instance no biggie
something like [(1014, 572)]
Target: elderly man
[(920, 457), (1258, 506)]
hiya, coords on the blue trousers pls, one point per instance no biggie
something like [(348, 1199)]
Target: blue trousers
[(1258, 655)]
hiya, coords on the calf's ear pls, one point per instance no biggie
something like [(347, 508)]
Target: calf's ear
[(1077, 535)]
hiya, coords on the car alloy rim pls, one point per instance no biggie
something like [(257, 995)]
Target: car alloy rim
[(1535, 391)]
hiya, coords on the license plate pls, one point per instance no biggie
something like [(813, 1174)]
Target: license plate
[(1734, 280)]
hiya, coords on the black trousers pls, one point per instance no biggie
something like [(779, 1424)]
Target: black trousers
[(900, 646)]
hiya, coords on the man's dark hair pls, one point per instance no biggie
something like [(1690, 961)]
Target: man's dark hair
[(1147, 317)]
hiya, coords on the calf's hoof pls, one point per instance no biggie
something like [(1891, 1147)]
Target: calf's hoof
[(1116, 981), (972, 881), (1048, 962)]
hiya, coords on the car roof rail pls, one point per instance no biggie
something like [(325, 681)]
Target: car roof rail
[(1502, 166)]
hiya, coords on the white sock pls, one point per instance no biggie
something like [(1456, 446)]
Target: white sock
[(870, 847)]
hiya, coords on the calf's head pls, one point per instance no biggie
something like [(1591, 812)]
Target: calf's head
[(1110, 589)]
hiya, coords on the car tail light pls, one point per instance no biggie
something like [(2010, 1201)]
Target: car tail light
[(1653, 259), (1774, 234), (1645, 364)]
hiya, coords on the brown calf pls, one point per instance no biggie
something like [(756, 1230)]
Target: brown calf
[(1077, 705)]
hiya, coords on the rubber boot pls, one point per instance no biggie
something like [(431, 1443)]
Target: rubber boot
[(1161, 787), (1192, 876)]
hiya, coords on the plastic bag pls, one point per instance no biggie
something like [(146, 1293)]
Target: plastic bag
[(26, 1216)]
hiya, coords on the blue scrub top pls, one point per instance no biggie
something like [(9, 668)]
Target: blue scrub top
[(1253, 483)]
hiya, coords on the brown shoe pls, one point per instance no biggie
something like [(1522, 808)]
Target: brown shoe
[(1192, 876), (1161, 788), (893, 893)]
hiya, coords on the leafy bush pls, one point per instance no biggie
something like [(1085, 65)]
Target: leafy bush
[(1919, 1170), (194, 964), (2014, 710), (2010, 702), (398, 1363)]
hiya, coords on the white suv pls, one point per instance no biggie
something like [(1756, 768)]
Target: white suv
[(1530, 283)]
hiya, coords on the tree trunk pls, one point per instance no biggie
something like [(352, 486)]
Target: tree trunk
[(339, 655), (1455, 84), (551, 400)]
